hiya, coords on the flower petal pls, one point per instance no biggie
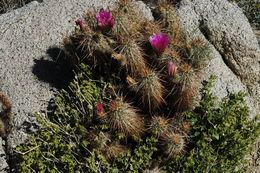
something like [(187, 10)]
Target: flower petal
[(159, 42)]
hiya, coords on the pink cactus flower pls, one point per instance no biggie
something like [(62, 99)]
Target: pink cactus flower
[(172, 68), (99, 108), (159, 42), (80, 23), (105, 19)]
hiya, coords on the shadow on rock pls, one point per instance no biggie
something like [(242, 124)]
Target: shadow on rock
[(55, 69)]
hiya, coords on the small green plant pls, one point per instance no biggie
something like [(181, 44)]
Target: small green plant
[(141, 157), (221, 136), (61, 142)]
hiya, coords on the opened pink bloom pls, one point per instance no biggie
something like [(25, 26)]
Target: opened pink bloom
[(172, 68), (105, 19), (80, 23), (159, 42)]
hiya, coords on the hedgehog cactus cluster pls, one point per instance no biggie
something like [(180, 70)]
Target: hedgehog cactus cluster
[(149, 64)]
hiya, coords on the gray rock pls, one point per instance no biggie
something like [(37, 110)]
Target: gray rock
[(235, 53), (144, 9), (26, 34)]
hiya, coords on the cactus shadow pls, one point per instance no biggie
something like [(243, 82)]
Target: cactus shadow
[(55, 68)]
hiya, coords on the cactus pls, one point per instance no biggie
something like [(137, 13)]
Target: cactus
[(167, 14), (149, 89), (174, 143), (158, 70), (124, 118), (197, 52), (122, 34), (170, 55), (183, 88), (183, 100), (160, 126), (128, 8), (150, 28), (126, 27), (128, 20), (90, 19), (88, 46), (132, 56), (100, 111)]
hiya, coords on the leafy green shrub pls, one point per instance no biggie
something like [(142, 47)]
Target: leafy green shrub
[(221, 136), (69, 140), (60, 143), (220, 139)]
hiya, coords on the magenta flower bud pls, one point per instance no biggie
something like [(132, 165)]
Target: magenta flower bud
[(99, 108), (159, 42), (105, 19), (172, 68), (80, 23)]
